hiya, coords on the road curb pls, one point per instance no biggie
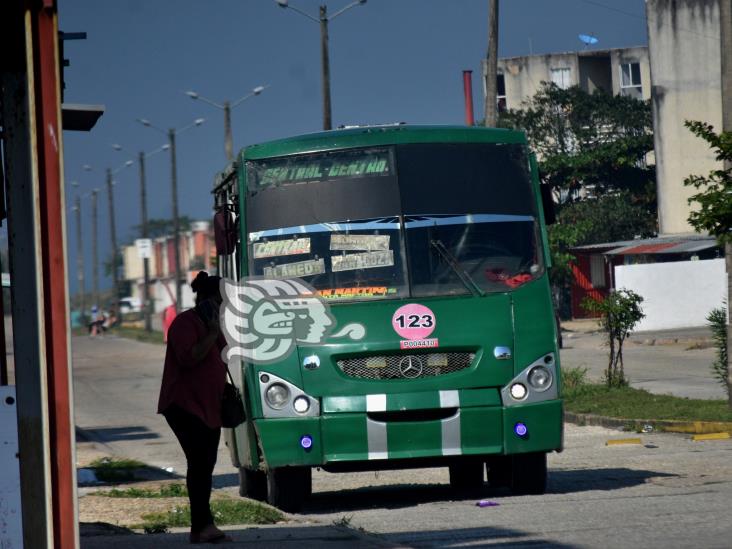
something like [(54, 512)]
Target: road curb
[(669, 426)]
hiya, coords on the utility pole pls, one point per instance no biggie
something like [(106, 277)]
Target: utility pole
[(176, 221), (95, 255), (228, 140), (147, 305), (325, 66), (725, 22), (113, 236), (491, 66), (79, 256)]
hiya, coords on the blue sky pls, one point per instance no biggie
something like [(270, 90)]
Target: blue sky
[(391, 61)]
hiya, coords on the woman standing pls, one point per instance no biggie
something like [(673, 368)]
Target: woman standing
[(190, 398)]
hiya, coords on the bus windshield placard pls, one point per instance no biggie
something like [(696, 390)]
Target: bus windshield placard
[(359, 163)]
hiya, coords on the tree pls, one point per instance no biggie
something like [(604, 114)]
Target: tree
[(714, 203), (588, 144), (591, 150), (620, 312)]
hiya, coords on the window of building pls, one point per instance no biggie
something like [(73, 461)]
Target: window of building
[(501, 92), (630, 80), (597, 271), (561, 77)]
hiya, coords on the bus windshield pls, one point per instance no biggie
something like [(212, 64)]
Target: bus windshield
[(430, 220), (343, 261)]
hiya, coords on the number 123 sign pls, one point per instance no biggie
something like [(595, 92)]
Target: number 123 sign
[(414, 322)]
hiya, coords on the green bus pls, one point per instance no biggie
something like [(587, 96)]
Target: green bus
[(432, 241)]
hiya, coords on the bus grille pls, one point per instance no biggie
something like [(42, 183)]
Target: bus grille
[(405, 366)]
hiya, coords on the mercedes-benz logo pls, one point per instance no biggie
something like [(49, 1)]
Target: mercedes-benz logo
[(410, 367)]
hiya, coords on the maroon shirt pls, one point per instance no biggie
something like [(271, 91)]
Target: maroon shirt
[(195, 387)]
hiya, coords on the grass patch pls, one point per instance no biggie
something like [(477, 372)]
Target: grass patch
[(115, 470), (225, 511), (138, 334), (629, 403), (165, 491)]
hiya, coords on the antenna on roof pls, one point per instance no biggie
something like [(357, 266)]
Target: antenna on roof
[(588, 40)]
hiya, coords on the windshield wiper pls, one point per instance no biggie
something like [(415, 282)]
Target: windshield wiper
[(463, 275)]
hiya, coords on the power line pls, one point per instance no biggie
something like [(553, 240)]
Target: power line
[(644, 18)]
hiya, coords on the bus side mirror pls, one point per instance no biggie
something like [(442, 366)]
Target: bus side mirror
[(224, 232), (547, 201)]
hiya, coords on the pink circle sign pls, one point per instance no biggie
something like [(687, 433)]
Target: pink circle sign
[(413, 321)]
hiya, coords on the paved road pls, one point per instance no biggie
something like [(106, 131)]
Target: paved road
[(678, 368), (666, 492)]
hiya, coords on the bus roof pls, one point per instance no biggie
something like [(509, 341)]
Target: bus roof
[(368, 136)]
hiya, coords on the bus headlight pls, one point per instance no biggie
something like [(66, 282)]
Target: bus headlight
[(301, 404), (518, 391), (281, 398), (540, 378), (277, 396), (537, 382)]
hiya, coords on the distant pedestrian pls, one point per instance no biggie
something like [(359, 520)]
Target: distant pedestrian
[(169, 315), (190, 398), (96, 324)]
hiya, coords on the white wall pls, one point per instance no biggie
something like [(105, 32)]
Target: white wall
[(679, 294)]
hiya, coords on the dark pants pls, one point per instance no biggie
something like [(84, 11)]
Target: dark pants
[(200, 444)]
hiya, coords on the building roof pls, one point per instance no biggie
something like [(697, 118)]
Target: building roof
[(581, 53), (676, 244)]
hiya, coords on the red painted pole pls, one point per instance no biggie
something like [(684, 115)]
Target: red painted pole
[(53, 235), (468, 91)]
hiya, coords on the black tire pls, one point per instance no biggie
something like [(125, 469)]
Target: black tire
[(289, 487), (523, 474), (466, 477), (529, 474), (500, 471), (252, 484)]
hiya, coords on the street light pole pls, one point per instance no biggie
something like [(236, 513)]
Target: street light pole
[(171, 133), (228, 140), (113, 236), (79, 255), (95, 257), (146, 260), (325, 58), (176, 221), (227, 106), (491, 67), (323, 20)]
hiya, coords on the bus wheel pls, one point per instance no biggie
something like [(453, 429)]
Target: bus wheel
[(466, 476), (288, 487), (252, 484), (529, 473), (500, 469)]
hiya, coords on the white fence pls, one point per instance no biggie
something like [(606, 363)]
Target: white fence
[(678, 294)]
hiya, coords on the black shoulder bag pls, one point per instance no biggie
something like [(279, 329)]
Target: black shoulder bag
[(232, 405)]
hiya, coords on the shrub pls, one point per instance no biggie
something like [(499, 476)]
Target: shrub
[(717, 319), (620, 312)]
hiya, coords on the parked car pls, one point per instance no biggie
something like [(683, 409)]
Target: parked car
[(130, 305)]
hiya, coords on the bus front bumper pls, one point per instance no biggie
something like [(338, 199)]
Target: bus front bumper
[(355, 436)]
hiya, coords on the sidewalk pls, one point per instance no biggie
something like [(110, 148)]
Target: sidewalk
[(697, 335), (264, 537)]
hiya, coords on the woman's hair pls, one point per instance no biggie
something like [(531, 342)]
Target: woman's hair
[(205, 286)]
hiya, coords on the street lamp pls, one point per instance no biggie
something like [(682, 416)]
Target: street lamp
[(171, 133), (323, 20), (147, 303), (226, 106), (79, 248), (113, 229)]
